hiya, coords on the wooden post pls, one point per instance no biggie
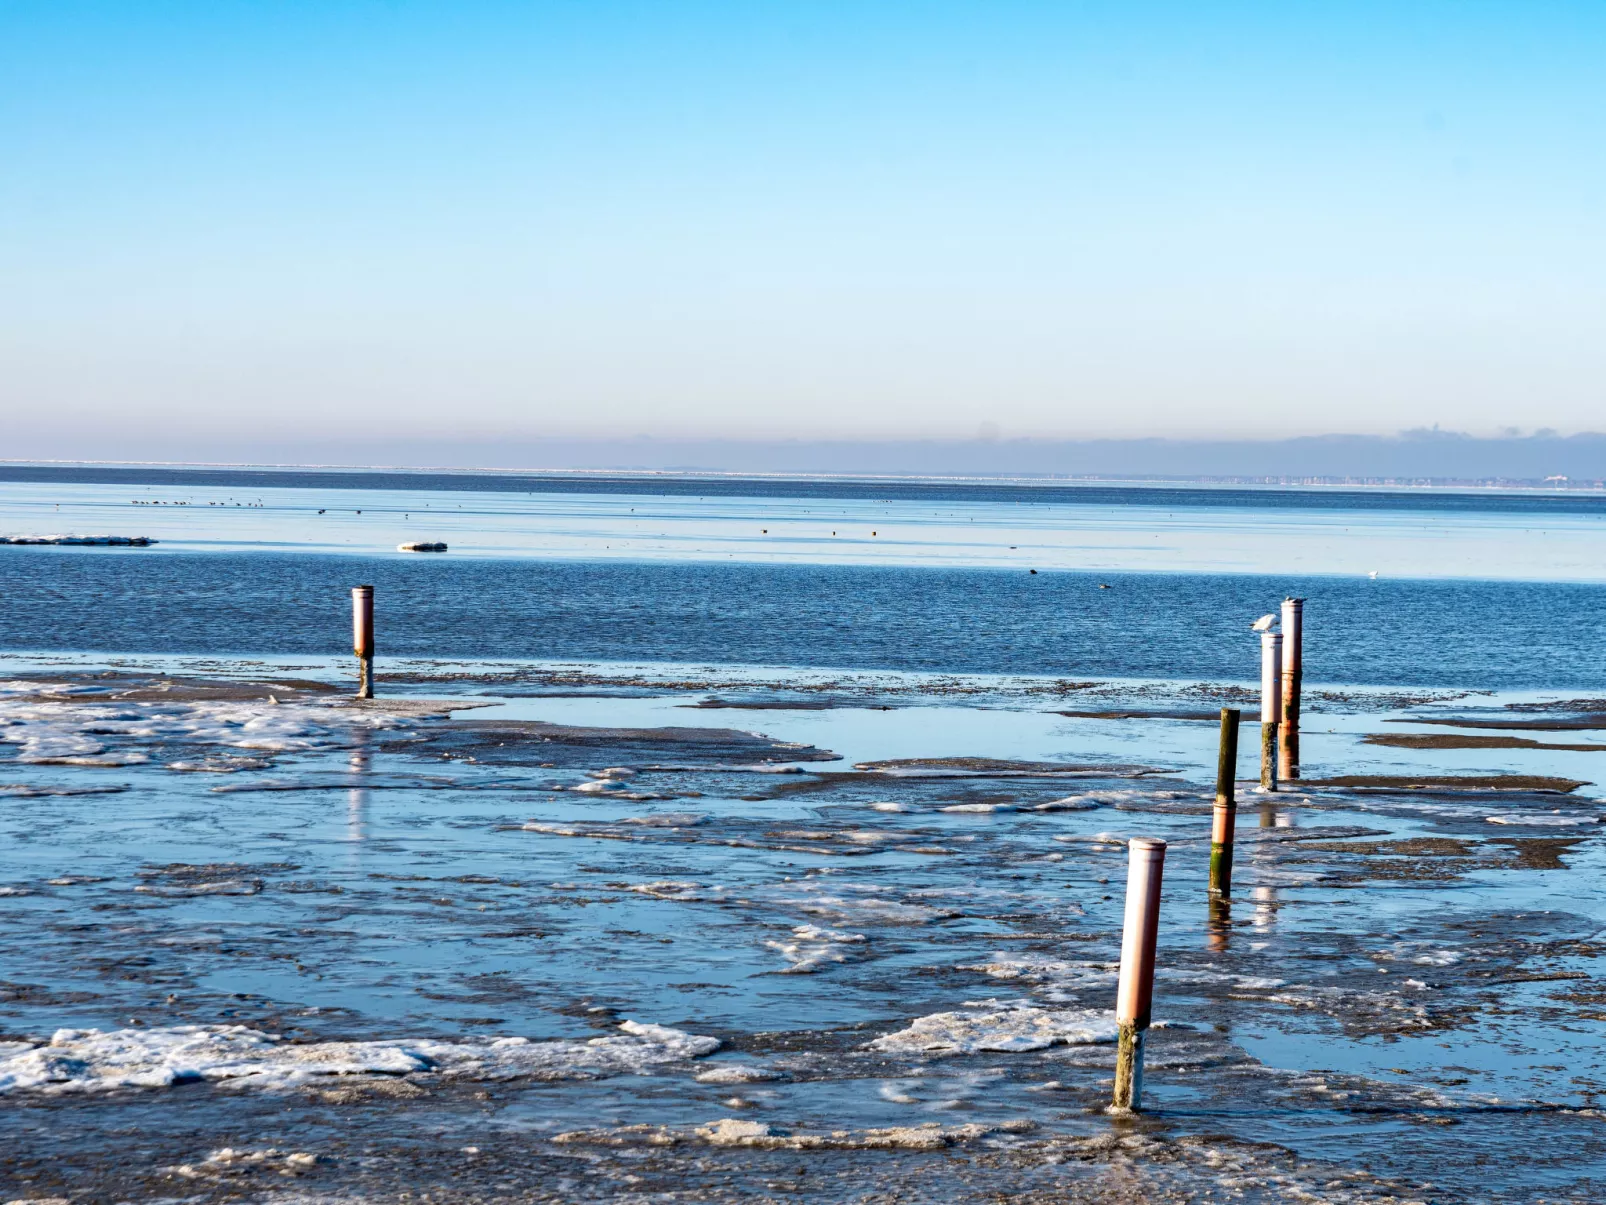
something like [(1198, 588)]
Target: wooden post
[(1135, 996), (1292, 673), (1271, 657), (362, 638), (1225, 818)]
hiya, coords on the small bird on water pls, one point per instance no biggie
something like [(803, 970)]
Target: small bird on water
[(1263, 624)]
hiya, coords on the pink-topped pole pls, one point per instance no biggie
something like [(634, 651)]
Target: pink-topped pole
[(1135, 996), (362, 638)]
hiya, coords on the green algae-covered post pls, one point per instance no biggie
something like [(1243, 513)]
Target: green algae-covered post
[(1271, 673), (1225, 816), (1135, 995), (362, 638)]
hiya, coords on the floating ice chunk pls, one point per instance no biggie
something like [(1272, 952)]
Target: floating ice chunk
[(674, 889), (859, 904), (227, 1160), (888, 807), (1543, 821), (28, 791), (1094, 839), (813, 948), (208, 887), (1010, 1029), (729, 1132), (736, 1073), (1071, 803), (89, 1060), (668, 819), (1061, 973)]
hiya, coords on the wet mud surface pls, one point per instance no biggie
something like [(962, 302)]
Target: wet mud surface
[(263, 945)]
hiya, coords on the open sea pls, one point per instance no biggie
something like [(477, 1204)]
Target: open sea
[(719, 839)]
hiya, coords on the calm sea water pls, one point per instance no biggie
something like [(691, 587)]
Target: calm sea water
[(1490, 590), (1184, 625)]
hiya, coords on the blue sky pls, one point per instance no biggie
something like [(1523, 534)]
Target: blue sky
[(821, 219)]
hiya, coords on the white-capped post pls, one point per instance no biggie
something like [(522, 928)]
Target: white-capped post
[(1135, 996), (1271, 674), (362, 638), (1293, 671)]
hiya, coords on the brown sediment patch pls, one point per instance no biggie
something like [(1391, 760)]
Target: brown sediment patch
[(536, 742), (1581, 723), (962, 767), (1413, 847), (1560, 705), (415, 708), (1539, 853), (783, 705), (144, 689), (1205, 716), (1433, 740), (1446, 782)]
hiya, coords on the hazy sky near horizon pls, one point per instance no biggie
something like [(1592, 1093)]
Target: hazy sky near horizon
[(844, 220)]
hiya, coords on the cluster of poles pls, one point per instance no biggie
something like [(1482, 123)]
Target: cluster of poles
[(1280, 676), (1280, 672)]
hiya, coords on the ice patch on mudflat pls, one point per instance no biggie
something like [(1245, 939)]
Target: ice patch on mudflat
[(86, 734), (1009, 1029), (89, 1060)]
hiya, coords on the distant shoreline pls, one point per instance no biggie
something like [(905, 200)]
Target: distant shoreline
[(938, 486)]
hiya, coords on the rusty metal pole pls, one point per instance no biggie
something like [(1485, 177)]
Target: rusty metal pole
[(362, 638), (1135, 997), (1271, 670), (1225, 817), (1292, 673)]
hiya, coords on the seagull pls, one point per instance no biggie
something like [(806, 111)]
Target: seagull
[(1263, 624)]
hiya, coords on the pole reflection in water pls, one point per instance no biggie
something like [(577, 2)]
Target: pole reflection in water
[(357, 798), (1265, 907), (1218, 928)]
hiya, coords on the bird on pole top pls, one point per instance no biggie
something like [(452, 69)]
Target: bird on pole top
[(1263, 624)]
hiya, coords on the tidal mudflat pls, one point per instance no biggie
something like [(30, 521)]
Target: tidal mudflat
[(544, 931)]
